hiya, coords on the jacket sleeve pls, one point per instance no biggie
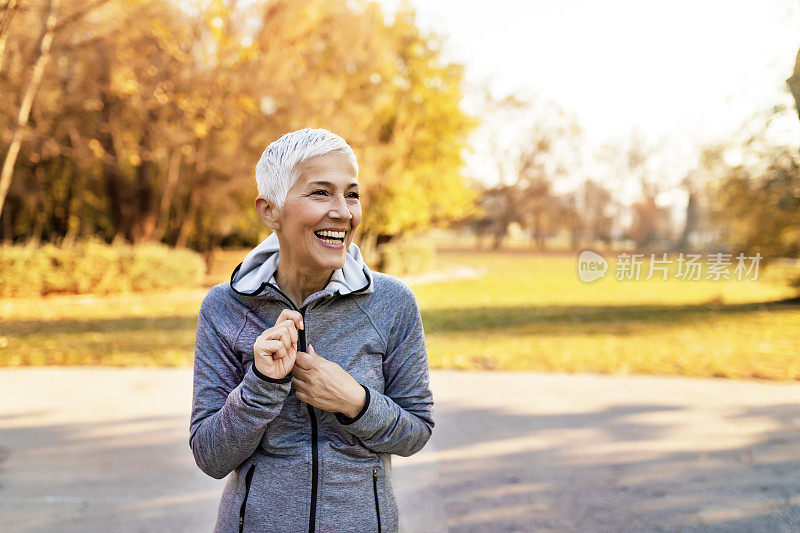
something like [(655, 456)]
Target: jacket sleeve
[(231, 406), (400, 420)]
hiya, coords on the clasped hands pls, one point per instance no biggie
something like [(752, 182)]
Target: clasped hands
[(316, 380)]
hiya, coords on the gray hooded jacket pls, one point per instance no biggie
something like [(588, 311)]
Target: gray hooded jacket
[(295, 467)]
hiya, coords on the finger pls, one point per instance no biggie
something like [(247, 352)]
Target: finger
[(283, 334), (299, 371), (313, 358), (304, 361), (291, 330), (273, 348), (277, 330), (294, 316), (280, 352), (286, 339), (265, 347), (314, 355), (302, 396)]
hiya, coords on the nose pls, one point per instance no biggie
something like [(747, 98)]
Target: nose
[(339, 208)]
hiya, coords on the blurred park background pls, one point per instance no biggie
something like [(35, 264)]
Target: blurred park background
[(497, 147), (497, 142)]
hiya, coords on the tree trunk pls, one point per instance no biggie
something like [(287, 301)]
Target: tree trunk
[(8, 226), (200, 179), (114, 184), (73, 230), (45, 41), (538, 232), (691, 221), (188, 219), (9, 10), (38, 225), (113, 180), (500, 231), (575, 238), (145, 213), (173, 174)]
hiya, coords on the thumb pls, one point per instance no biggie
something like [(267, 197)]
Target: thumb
[(312, 351)]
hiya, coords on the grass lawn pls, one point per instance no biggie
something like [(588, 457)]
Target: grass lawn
[(529, 312), (533, 313), (153, 329)]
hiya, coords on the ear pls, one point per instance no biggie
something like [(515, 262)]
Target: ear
[(267, 212)]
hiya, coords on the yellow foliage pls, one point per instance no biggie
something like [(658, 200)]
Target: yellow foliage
[(180, 100), (95, 267), (96, 148), (200, 128)]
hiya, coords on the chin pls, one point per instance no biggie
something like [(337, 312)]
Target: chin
[(330, 263)]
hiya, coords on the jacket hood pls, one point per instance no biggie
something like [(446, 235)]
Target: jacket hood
[(260, 264)]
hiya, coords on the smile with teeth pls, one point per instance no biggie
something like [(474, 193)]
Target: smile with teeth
[(330, 237)]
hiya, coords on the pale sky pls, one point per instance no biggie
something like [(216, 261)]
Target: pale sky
[(688, 70)]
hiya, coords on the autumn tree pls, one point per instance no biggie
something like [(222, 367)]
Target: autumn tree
[(533, 144), (53, 22), (150, 117)]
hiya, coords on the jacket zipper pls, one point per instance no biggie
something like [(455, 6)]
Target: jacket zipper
[(248, 478), (301, 346), (375, 490)]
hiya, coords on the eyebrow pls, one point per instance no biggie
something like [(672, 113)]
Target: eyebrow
[(329, 184)]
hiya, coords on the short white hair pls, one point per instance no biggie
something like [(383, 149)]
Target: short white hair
[(278, 169)]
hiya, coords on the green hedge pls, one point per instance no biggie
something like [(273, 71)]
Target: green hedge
[(96, 267), (407, 256)]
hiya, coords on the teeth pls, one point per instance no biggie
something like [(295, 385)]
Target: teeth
[(334, 234)]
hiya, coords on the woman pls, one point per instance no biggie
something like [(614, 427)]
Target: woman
[(308, 435)]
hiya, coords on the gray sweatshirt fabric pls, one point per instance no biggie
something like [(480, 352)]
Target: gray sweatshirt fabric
[(290, 466)]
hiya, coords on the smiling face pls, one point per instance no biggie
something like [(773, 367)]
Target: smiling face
[(320, 215)]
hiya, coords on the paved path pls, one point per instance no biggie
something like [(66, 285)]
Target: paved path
[(85, 449)]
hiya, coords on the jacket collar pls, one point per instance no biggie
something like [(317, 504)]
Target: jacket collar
[(258, 269)]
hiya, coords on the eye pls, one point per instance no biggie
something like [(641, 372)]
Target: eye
[(319, 192), (354, 195)]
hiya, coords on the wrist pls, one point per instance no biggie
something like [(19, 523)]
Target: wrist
[(357, 402), (285, 379)]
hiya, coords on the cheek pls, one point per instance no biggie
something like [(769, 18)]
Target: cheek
[(302, 216), (356, 212), (291, 212)]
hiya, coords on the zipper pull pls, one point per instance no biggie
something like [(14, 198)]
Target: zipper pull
[(375, 473)]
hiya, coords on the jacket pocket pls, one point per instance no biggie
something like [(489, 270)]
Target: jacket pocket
[(375, 493), (247, 480)]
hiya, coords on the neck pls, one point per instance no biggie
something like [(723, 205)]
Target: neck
[(297, 283)]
